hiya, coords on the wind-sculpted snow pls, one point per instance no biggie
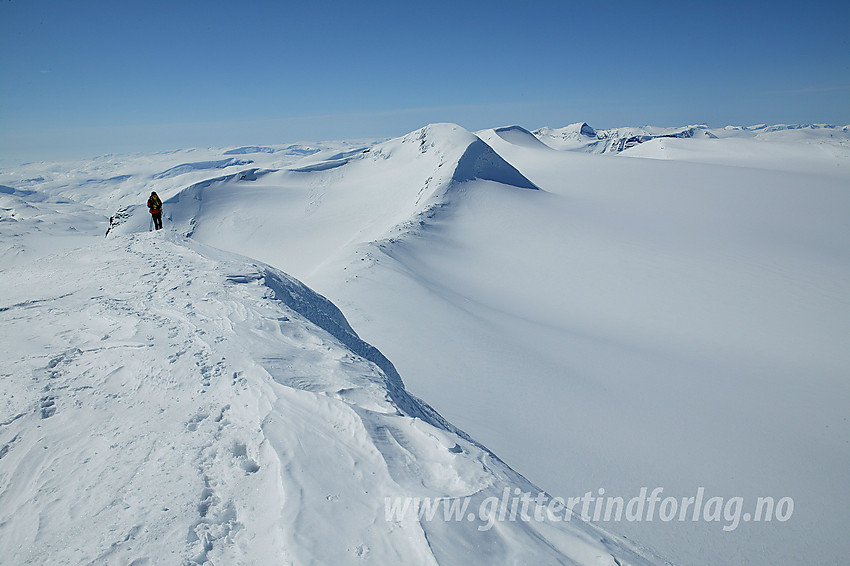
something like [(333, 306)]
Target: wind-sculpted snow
[(581, 137), (167, 402), (766, 129), (322, 165), (326, 315), (23, 194), (182, 207), (200, 165), (578, 136), (691, 280), (290, 150), (479, 161), (393, 188), (515, 135), (249, 149)]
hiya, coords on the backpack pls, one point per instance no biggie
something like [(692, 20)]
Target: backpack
[(154, 203)]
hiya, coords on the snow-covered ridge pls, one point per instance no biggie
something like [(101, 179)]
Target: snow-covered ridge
[(169, 401), (468, 157), (516, 135), (395, 187), (581, 137), (134, 218), (564, 328), (764, 128), (188, 167), (480, 162), (246, 150)]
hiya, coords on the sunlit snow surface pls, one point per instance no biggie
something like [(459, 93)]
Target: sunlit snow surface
[(671, 315)]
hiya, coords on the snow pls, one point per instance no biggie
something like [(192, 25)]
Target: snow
[(248, 150), (579, 136), (516, 135), (168, 401), (188, 167), (673, 314), (674, 324)]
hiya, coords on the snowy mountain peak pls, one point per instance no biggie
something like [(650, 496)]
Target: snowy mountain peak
[(445, 153), (456, 155), (581, 137), (481, 162), (515, 135), (174, 399), (570, 131), (446, 136)]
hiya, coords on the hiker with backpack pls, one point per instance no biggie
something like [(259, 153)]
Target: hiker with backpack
[(155, 206)]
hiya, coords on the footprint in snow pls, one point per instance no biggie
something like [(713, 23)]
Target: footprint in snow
[(47, 406), (361, 551), (193, 423)]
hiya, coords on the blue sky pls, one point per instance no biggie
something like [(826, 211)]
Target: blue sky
[(91, 77)]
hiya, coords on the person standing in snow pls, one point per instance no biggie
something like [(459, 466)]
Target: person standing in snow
[(155, 206)]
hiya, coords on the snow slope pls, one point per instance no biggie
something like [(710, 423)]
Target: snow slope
[(308, 215), (515, 135), (677, 324), (581, 137), (673, 315), (784, 150), (167, 402)]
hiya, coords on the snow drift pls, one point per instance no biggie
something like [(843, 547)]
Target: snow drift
[(367, 194), (201, 165), (512, 134), (562, 307), (168, 401)]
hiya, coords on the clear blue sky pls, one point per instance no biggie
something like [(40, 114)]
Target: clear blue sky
[(90, 77)]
